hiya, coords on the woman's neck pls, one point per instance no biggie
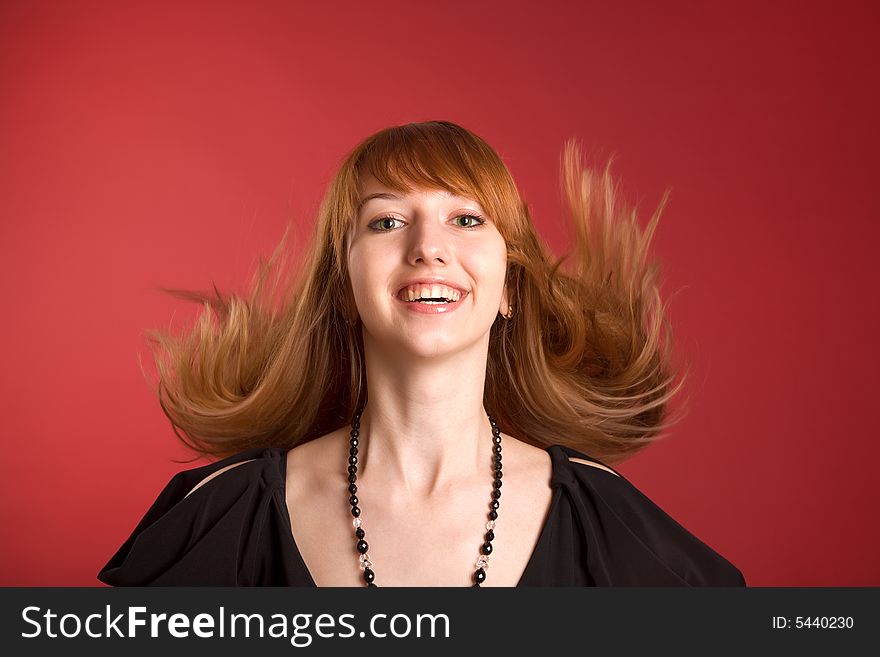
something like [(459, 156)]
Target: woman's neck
[(424, 425)]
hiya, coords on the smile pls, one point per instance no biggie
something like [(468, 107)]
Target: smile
[(430, 306)]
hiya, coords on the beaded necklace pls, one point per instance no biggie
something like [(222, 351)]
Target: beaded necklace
[(485, 550)]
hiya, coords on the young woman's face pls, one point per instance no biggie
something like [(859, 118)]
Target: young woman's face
[(399, 238)]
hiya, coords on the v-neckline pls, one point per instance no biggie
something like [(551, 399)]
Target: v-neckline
[(555, 452)]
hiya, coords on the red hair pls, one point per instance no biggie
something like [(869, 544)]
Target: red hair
[(585, 361)]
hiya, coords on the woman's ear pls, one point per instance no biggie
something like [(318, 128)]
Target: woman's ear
[(347, 307), (351, 311), (505, 309)]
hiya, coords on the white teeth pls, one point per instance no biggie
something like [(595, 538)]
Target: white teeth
[(430, 292)]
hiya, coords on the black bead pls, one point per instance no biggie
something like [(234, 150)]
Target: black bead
[(352, 477), (355, 511), (362, 546), (371, 584), (479, 577), (496, 493), (359, 532), (353, 500), (369, 575), (353, 460), (353, 451), (496, 439), (355, 442), (497, 449), (487, 549), (496, 483), (494, 504), (490, 536), (355, 433), (352, 469), (352, 488), (493, 515)]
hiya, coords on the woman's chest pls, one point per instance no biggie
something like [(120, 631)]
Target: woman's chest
[(418, 544)]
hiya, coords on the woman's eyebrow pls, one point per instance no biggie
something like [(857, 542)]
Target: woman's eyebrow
[(388, 195), (370, 197)]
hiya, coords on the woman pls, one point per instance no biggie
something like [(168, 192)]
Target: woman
[(429, 357)]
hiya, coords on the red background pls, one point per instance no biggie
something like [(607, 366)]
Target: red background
[(167, 144)]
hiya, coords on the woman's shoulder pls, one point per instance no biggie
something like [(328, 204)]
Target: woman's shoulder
[(635, 541), (200, 523), (264, 463), (263, 466)]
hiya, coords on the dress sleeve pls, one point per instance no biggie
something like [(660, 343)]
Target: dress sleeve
[(632, 541), (201, 539)]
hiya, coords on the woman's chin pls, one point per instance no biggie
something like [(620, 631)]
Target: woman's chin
[(425, 348)]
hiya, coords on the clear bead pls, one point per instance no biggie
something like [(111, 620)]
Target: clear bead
[(365, 562), (483, 562), (490, 525), (356, 522)]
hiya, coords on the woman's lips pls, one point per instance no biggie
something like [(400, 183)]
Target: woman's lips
[(432, 308)]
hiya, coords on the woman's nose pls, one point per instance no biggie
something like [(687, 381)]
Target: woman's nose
[(428, 242)]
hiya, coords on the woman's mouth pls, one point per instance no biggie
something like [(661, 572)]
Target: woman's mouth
[(427, 305)]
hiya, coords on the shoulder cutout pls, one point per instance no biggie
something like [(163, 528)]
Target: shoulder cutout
[(211, 476), (595, 465)]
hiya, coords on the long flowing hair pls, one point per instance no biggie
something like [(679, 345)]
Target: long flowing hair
[(586, 360)]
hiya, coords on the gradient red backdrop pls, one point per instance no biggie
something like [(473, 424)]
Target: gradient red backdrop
[(158, 144)]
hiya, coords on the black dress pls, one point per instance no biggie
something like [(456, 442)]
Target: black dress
[(235, 531)]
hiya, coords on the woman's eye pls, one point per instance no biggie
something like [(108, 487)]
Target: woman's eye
[(385, 224), (472, 217)]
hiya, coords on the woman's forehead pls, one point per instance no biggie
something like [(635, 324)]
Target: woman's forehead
[(387, 194), (374, 190)]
